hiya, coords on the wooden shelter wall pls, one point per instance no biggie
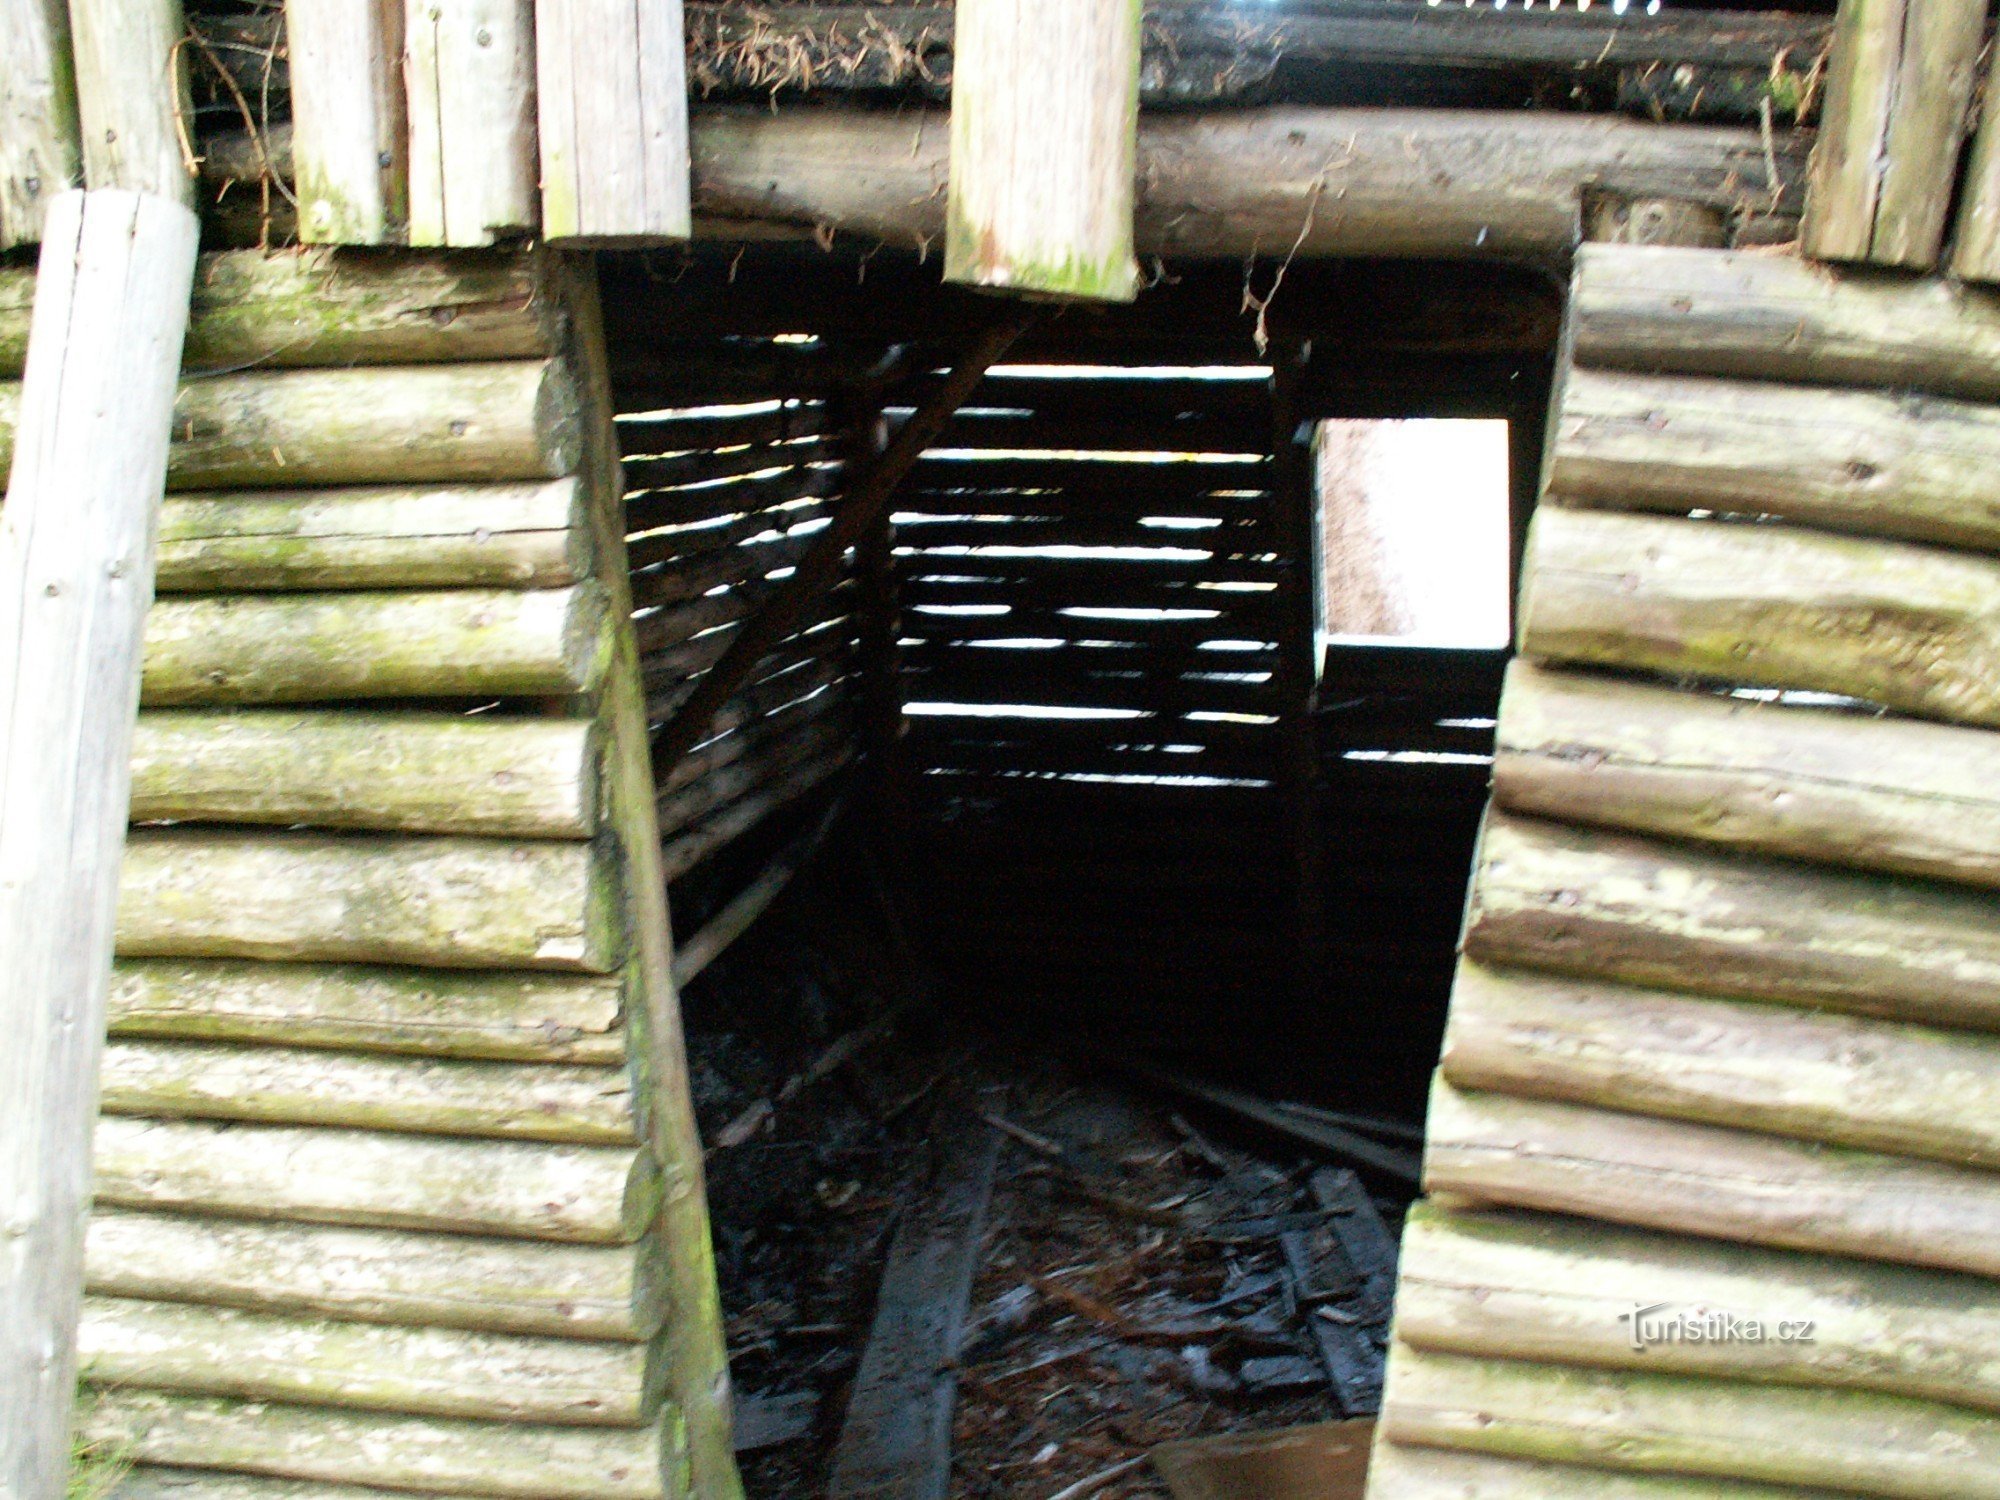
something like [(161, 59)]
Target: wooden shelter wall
[(393, 1093), (1721, 1036)]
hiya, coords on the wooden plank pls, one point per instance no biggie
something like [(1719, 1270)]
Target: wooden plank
[(1676, 916), (1729, 1429), (392, 1277), (304, 648), (419, 773), (1766, 778), (612, 103), (449, 902), (1044, 131), (589, 1195), (39, 154), (1975, 254), (1707, 1181), (1839, 1080), (895, 1442), (350, 127), (438, 1455), (422, 1012), (469, 72), (1898, 85), (1910, 628), (1863, 461), (76, 575), (143, 1345), (132, 96), (1663, 309), (1314, 1461)]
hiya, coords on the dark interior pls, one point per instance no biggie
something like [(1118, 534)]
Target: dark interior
[(1190, 860)]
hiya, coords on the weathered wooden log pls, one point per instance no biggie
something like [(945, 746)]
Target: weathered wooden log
[(1907, 627), (420, 773), (1397, 1471), (380, 1275), (611, 97), (1606, 906), (1538, 1287), (469, 73), (349, 122), (326, 307), (438, 536), (1864, 461), (306, 648), (76, 575), (132, 96), (422, 1012), (274, 1085), (1704, 1180), (592, 1195), (450, 902), (439, 1372), (512, 419), (417, 424), (1898, 85), (1975, 254), (1664, 309), (1455, 184), (1844, 1080), (39, 156), (1766, 778), (1044, 130), (1730, 1429), (166, 1482), (429, 1455)]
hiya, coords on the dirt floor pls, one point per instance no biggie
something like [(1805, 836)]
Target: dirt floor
[(1147, 1273)]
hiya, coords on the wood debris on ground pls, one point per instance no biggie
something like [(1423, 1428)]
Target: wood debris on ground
[(1148, 1275)]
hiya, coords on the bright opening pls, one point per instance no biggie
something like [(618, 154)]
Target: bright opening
[(1414, 533)]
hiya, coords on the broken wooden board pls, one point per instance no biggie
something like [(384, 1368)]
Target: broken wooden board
[(1323, 1461), (896, 1441)]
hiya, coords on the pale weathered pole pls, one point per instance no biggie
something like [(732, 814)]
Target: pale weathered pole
[(76, 576)]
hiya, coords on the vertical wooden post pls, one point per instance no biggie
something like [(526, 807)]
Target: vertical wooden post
[(132, 96), (613, 120), (1897, 92), (350, 134), (1044, 146), (38, 146), (1976, 255), (76, 575), (469, 72)]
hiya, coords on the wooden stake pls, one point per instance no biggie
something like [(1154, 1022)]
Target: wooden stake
[(1976, 253), (350, 130), (612, 80), (1044, 141), (469, 68), (1897, 92), (76, 575), (38, 146), (132, 97)]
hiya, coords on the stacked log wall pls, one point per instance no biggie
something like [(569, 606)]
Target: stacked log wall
[(1708, 1143), (396, 1187)]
